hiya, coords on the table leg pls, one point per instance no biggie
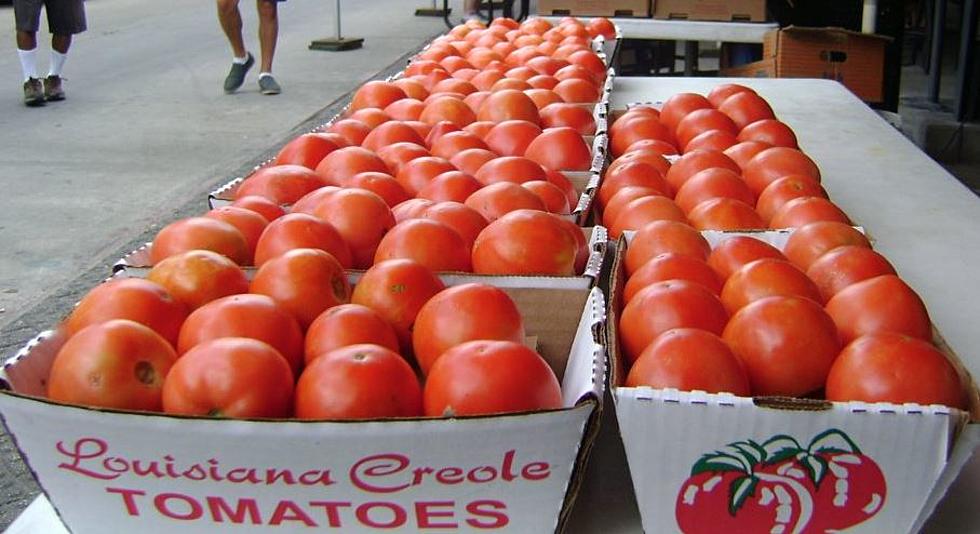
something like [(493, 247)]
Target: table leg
[(936, 54), (690, 58), (965, 67)]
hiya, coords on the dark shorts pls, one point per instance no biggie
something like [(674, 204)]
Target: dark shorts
[(65, 17)]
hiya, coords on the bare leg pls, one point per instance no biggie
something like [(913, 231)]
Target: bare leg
[(231, 23), (268, 31), (471, 7), (26, 40), (61, 43)]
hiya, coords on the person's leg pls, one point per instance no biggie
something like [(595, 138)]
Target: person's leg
[(231, 23), (27, 15), (471, 9), (65, 18), (268, 35)]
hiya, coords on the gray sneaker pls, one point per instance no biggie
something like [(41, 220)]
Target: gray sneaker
[(52, 89), (33, 93), (236, 77), (268, 85)]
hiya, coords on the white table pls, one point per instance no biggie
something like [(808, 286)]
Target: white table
[(922, 218), (694, 30)]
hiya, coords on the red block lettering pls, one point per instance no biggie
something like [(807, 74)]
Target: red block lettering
[(425, 514), (488, 514), (194, 510), (363, 515), (128, 500), (220, 509), (332, 510), (288, 511)]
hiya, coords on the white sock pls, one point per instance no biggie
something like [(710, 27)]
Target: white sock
[(264, 74), (240, 60), (28, 63), (57, 63)]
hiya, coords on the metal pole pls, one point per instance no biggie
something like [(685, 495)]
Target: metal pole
[(964, 73), (337, 11), (936, 54)]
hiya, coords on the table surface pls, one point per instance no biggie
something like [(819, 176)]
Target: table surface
[(694, 30), (921, 218)]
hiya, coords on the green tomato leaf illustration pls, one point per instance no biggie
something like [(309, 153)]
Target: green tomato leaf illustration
[(753, 455), (719, 461), (781, 447), (739, 491), (833, 440), (816, 468)]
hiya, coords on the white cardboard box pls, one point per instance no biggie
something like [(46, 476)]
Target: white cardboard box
[(145, 472), (695, 456)]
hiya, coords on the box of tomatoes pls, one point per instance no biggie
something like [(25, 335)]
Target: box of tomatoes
[(157, 472), (755, 461)]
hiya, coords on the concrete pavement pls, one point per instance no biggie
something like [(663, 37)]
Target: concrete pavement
[(145, 133)]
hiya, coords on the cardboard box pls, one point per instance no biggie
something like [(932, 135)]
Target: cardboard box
[(595, 8), (141, 472), (720, 10), (854, 59), (882, 467)]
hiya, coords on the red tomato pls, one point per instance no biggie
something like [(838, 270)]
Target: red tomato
[(261, 205), (768, 277), (508, 104), (396, 290), (679, 105), (642, 211), (636, 174), (891, 367), (200, 233), (769, 131), (451, 143), (744, 151), (197, 277), (416, 174), (298, 230), (389, 133), (560, 149), (671, 266), (844, 266), (373, 117), (712, 183), (576, 117), (554, 199), (340, 165), (248, 222), (805, 210), (511, 138), (306, 150), (526, 242), (654, 145), (721, 92), (623, 197), (746, 108), (646, 155), (230, 377), (431, 243), (881, 304), (466, 221), (783, 190), (632, 129), (543, 97), (395, 156), (664, 306), (344, 325), (406, 109), (689, 359), (498, 199), (358, 382), (310, 201), (786, 343), (447, 108), (470, 160), (576, 90), (411, 209), (696, 161), (381, 184), (700, 121), (773, 163), (453, 186), (711, 140), (304, 281), (117, 364), (808, 242), (376, 94), (462, 313), (282, 184), (485, 377), (660, 237), (725, 214), (138, 300), (361, 218), (734, 252)]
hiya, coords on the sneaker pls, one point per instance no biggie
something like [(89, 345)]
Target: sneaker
[(52, 88), (33, 93), (236, 77), (268, 85)]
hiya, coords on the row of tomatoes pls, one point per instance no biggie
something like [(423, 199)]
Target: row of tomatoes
[(409, 182), (825, 316)]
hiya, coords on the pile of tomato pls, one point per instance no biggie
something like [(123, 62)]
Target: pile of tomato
[(823, 316), (458, 164)]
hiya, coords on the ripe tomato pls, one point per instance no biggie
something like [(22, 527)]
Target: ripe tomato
[(389, 133), (637, 128), (560, 149), (447, 108), (768, 277), (396, 290), (689, 359), (417, 173), (810, 241), (344, 325), (261, 205), (508, 104), (230, 377), (654, 145), (725, 214), (406, 109), (844, 266), (746, 108), (769, 131), (671, 266), (773, 163), (304, 281), (306, 150), (664, 306), (696, 161), (485, 79), (309, 202), (248, 222), (700, 121), (253, 316), (412, 88), (197, 277), (742, 152), (298, 230), (785, 189), (373, 117), (546, 65), (560, 180), (454, 85), (621, 198), (354, 131), (464, 313), (711, 140), (485, 377), (660, 237), (543, 97), (511, 138), (786, 343), (358, 382), (526, 242), (577, 91), (431, 243), (438, 130), (340, 165), (470, 160), (466, 221), (553, 198), (282, 184), (712, 183), (721, 92), (590, 60), (734, 252), (601, 26), (642, 211), (411, 209), (498, 199), (474, 101), (891, 367), (805, 210), (138, 300), (578, 118), (543, 81), (361, 218), (381, 184), (452, 143), (117, 364), (645, 155), (200, 233), (510, 84), (679, 105), (376, 94), (395, 155), (881, 304), (635, 174), (453, 186)]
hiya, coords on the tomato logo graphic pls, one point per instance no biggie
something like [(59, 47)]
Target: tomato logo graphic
[(781, 487)]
